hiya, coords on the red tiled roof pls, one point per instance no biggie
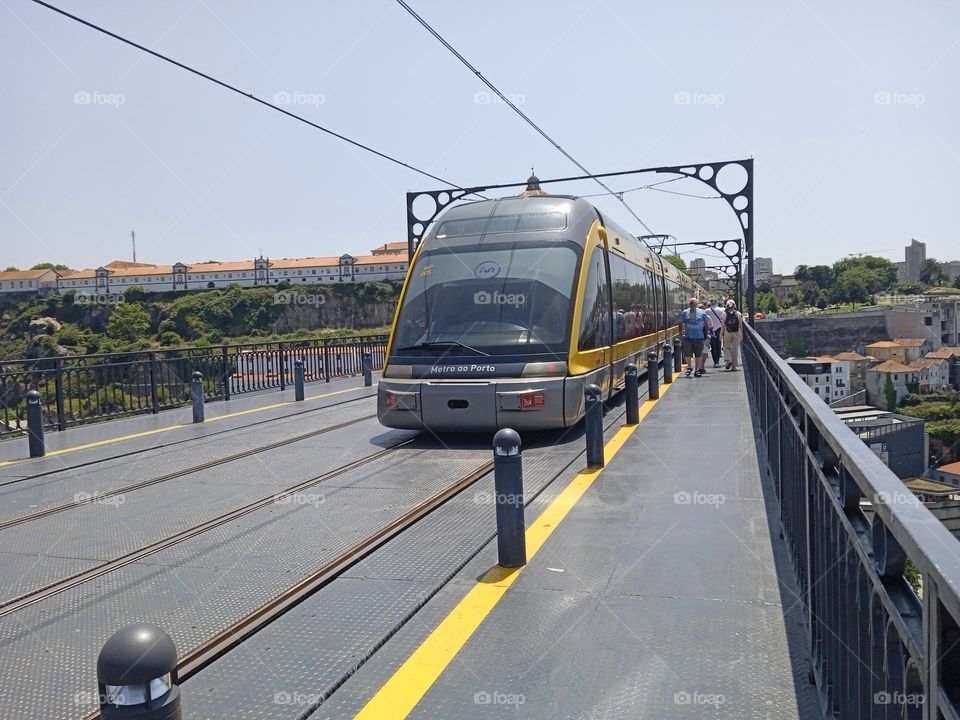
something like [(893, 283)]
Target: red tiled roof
[(892, 366)]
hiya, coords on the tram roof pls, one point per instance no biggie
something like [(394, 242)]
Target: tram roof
[(580, 213)]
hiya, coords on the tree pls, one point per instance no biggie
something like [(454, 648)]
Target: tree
[(764, 287), (890, 393), (135, 293), (802, 274), (822, 275), (129, 322), (795, 347), (931, 273), (49, 266), (676, 261), (11, 268), (956, 282)]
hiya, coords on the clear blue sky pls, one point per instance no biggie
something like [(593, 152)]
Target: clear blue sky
[(202, 174)]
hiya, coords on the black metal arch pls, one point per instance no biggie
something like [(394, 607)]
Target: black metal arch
[(739, 199)]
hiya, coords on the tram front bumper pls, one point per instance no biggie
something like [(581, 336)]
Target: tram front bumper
[(472, 405)]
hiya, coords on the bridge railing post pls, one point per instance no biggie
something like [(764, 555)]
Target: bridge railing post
[(137, 675), (35, 439), (593, 421), (631, 383), (367, 369), (196, 395), (298, 379), (508, 488), (653, 377)]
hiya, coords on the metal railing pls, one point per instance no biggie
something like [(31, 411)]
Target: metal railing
[(86, 388), (882, 647)]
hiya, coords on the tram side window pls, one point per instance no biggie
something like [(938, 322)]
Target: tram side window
[(595, 306), (624, 321), (674, 303), (643, 300)]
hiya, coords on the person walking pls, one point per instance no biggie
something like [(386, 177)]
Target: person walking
[(732, 335), (694, 326), (716, 315)]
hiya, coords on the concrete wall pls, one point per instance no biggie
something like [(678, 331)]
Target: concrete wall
[(842, 332)]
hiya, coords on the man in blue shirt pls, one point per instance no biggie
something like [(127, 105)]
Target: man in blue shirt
[(694, 326)]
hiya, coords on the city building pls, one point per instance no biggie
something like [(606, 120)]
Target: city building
[(898, 440), (940, 498), (829, 380), (914, 255), (388, 262), (947, 473), (904, 378), (856, 369), (28, 281), (904, 350), (934, 374), (697, 268), (952, 357), (762, 269), (918, 346), (951, 269)]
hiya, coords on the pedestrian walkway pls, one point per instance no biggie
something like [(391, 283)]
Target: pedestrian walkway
[(665, 592)]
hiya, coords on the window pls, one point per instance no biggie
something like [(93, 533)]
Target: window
[(632, 293), (595, 308), (528, 222), (504, 299)]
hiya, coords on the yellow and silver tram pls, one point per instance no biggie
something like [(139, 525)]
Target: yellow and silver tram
[(512, 306)]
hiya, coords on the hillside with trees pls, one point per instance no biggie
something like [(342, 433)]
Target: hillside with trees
[(73, 323)]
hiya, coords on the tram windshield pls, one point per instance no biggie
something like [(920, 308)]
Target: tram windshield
[(497, 299)]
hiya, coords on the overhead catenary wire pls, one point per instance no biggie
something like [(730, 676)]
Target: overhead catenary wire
[(517, 110), (247, 95)]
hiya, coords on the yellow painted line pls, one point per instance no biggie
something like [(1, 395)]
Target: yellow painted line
[(168, 428), (401, 693)]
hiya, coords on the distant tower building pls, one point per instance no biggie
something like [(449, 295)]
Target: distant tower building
[(762, 269), (914, 254), (698, 267)]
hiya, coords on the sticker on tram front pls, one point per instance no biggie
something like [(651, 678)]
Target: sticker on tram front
[(487, 269)]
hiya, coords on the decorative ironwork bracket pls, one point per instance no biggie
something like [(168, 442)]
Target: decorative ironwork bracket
[(423, 207)]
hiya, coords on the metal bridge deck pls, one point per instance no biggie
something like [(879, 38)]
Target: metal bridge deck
[(665, 593), (93, 441), (643, 602)]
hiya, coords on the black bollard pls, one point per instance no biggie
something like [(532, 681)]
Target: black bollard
[(137, 675), (508, 486), (196, 396), (594, 426), (632, 389), (653, 377), (677, 355), (667, 364), (298, 379), (35, 424), (367, 369)]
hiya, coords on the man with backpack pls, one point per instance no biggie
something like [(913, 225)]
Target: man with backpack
[(716, 315), (732, 335), (694, 326)]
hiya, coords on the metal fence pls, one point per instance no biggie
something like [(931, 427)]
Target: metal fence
[(881, 647), (86, 388)]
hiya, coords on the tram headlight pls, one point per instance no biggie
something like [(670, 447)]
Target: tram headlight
[(544, 369)]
